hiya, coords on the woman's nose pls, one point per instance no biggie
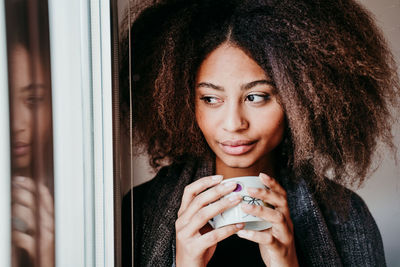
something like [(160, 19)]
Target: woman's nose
[(235, 119), (21, 118)]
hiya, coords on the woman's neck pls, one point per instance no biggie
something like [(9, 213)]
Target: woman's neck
[(26, 172)]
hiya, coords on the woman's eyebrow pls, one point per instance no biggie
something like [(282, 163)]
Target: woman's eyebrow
[(243, 87), (210, 85), (250, 85), (33, 86)]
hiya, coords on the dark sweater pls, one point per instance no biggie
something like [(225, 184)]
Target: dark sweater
[(322, 238)]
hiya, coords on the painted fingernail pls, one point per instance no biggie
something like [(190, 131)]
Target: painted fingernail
[(230, 184), (216, 177)]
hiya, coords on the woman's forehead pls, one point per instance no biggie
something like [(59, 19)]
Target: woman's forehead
[(229, 62)]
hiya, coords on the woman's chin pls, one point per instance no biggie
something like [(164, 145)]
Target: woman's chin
[(238, 163), (21, 164)]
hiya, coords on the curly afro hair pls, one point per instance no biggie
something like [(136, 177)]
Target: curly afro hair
[(335, 77)]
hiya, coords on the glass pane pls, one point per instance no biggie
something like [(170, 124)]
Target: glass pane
[(130, 158), (31, 133)]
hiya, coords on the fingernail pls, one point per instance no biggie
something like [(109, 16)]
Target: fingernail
[(239, 225), (234, 198), (251, 189), (243, 233), (216, 177), (265, 176), (230, 184), (19, 178)]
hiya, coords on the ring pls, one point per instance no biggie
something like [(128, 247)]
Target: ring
[(19, 225)]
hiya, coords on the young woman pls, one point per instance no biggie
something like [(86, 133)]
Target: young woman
[(296, 92)]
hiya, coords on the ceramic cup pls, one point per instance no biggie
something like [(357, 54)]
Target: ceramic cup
[(235, 214)]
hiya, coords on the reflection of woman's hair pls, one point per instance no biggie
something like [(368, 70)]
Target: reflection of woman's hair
[(333, 71)]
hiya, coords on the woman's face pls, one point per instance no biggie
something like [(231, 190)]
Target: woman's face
[(237, 109), (30, 108)]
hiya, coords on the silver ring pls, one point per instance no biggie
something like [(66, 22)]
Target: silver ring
[(19, 225)]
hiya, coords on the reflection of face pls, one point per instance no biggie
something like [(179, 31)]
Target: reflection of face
[(236, 108), (30, 107)]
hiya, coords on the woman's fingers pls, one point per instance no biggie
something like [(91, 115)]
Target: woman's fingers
[(206, 213), (272, 184), (46, 199), (268, 196), (195, 188), (23, 219), (24, 191), (202, 200), (25, 182), (30, 198), (24, 241), (46, 221), (262, 238), (197, 250), (280, 226), (46, 209), (23, 196), (213, 237), (205, 198), (33, 219), (274, 195), (276, 243)]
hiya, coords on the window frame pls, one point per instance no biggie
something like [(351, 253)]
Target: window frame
[(80, 44), (82, 114), (5, 186)]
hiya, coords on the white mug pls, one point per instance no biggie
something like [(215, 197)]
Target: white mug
[(235, 214)]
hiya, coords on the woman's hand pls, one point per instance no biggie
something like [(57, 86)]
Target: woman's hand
[(195, 239), (276, 244), (29, 200)]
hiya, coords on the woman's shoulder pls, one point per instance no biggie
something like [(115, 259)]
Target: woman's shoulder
[(344, 229), (165, 179), (351, 204), (154, 210), (353, 227)]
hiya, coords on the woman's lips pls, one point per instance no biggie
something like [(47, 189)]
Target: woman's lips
[(20, 149), (238, 147)]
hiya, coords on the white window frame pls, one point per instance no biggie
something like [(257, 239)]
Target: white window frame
[(5, 187), (80, 42)]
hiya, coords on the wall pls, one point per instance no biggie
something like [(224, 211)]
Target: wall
[(382, 191)]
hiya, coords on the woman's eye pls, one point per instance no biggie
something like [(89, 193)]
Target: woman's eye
[(257, 98), (34, 100), (210, 100)]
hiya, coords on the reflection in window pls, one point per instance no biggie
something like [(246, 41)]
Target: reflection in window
[(31, 133)]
